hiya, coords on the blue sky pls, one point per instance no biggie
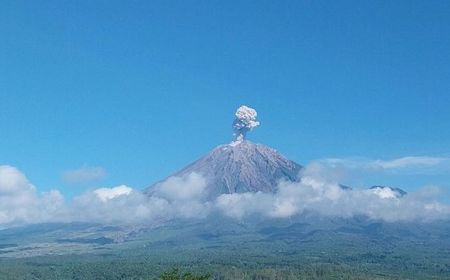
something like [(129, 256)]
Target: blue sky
[(141, 88)]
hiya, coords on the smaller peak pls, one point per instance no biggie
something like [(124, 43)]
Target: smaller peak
[(386, 191)]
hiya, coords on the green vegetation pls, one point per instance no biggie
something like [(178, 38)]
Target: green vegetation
[(175, 274), (220, 264), (293, 250)]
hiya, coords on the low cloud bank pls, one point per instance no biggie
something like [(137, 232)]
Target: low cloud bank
[(21, 203), (312, 196)]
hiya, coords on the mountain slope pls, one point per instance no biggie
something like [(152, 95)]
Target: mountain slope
[(241, 166)]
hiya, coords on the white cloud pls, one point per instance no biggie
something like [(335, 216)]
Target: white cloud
[(21, 203), (105, 194), (130, 207), (317, 192), (12, 180), (239, 205), (386, 192), (177, 197), (190, 187), (84, 174)]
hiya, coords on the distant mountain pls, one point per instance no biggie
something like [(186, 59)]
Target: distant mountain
[(241, 166), (387, 191)]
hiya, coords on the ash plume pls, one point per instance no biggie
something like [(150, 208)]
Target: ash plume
[(245, 120)]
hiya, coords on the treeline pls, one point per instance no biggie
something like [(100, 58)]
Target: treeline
[(196, 267), (143, 271)]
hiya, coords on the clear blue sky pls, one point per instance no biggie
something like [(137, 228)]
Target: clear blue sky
[(141, 88)]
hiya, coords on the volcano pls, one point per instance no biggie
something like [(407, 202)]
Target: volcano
[(239, 167)]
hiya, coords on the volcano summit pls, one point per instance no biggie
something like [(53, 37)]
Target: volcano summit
[(241, 166)]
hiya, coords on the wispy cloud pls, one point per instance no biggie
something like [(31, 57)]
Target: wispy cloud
[(408, 162), (84, 174), (411, 161)]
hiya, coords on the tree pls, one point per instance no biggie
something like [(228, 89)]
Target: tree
[(175, 274)]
